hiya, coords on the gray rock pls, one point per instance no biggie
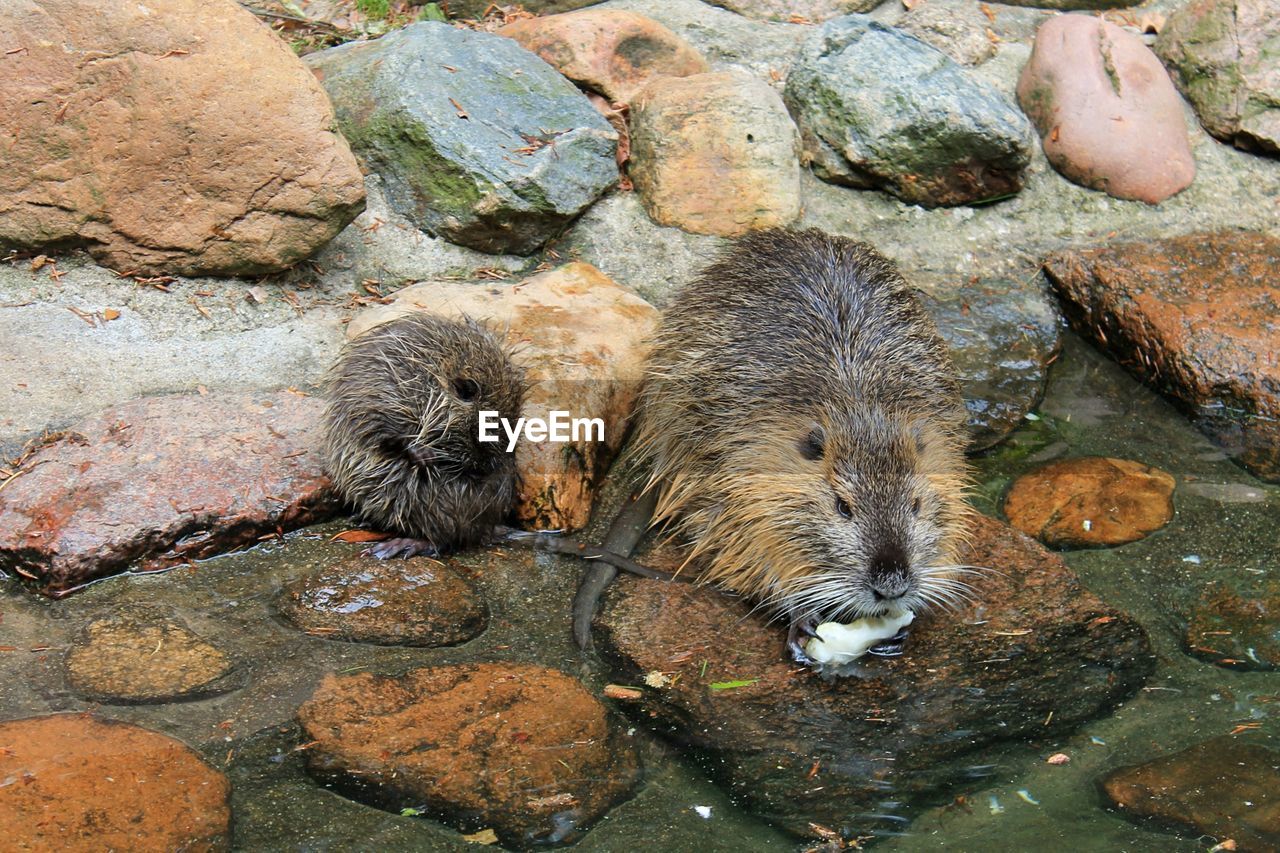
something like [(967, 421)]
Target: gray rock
[(1070, 5), (476, 8), (1224, 56), (783, 10), (476, 139), (879, 108), (956, 27)]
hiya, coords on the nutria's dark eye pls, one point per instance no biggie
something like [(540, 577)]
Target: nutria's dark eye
[(466, 389), (842, 507), (812, 445), (915, 507)]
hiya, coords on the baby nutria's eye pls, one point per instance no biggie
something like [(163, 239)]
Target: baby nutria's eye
[(466, 389), (842, 507), (915, 507)]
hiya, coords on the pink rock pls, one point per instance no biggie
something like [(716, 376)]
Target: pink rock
[(1108, 114)]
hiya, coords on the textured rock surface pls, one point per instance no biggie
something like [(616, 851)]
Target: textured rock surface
[(1237, 626), (416, 602), (475, 138), (877, 107), (956, 27), (520, 749), (787, 10), (1070, 5), (1225, 788), (147, 659), (609, 51), (128, 135), (1090, 502), (86, 785), (715, 154), (162, 480), (904, 733), (1225, 57), (580, 338), (477, 8), (1108, 114), (1195, 317)]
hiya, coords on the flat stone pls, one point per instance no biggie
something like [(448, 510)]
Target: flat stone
[(1223, 56), (610, 51), (475, 138), (1237, 626), (1090, 502), (476, 8), (789, 10), (958, 28), (128, 135), (141, 659), (162, 481), (85, 784), (519, 749), (580, 339), (1108, 115), (880, 108), (359, 599), (1194, 318), (715, 154), (1224, 787), (1070, 5), (904, 733)]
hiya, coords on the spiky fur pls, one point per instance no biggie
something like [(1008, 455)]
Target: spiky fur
[(786, 332)]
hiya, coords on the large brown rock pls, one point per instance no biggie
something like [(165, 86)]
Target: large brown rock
[(580, 339), (1108, 115), (76, 783), (163, 480), (610, 51), (1195, 318), (1224, 58), (519, 749), (1090, 502), (1225, 788), (715, 154), (1039, 654), (175, 136)]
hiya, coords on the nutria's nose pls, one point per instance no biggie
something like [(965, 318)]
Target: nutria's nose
[(889, 573)]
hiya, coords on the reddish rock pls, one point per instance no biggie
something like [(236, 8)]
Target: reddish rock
[(1090, 502), (1109, 116), (1039, 654), (609, 51), (75, 783), (580, 339), (715, 154), (520, 749), (416, 602), (1237, 628), (175, 136), (1196, 318), (1225, 788), (163, 480)]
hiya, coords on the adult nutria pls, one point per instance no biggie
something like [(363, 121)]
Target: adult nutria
[(805, 429)]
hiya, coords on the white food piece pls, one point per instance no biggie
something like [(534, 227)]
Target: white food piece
[(838, 644)]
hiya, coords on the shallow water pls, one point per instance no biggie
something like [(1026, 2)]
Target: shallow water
[(1224, 517)]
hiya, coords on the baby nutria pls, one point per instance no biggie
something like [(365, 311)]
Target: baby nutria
[(806, 432)]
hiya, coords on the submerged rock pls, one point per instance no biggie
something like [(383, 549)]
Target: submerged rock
[(1090, 502), (610, 51), (415, 602), (1225, 57), (1225, 788), (879, 108), (1237, 625), (715, 154), (127, 134), (580, 339), (475, 138), (75, 783), (1108, 114), (1038, 655), (1195, 318), (163, 481), (519, 749)]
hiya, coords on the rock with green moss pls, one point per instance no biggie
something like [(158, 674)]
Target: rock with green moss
[(476, 139), (879, 108)]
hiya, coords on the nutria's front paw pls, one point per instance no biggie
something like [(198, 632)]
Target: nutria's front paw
[(401, 546), (890, 648), (798, 636)]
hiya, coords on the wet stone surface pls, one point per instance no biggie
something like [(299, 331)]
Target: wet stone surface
[(143, 658), (1090, 502), (1237, 625), (414, 602), (522, 750), (80, 784)]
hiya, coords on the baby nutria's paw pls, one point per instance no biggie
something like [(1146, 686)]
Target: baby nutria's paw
[(802, 630), (401, 546), (890, 648)]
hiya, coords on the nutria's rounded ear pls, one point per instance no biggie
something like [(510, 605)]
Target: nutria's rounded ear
[(813, 445)]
